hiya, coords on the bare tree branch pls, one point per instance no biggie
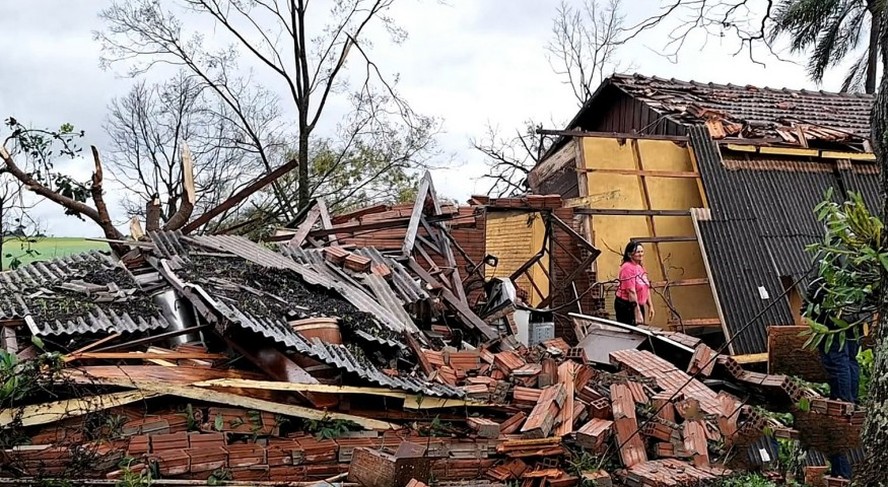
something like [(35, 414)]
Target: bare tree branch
[(278, 36)]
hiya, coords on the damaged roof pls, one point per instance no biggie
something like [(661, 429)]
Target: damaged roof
[(79, 294), (663, 106), (759, 221), (687, 101)]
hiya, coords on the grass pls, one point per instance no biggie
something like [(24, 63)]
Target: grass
[(47, 248)]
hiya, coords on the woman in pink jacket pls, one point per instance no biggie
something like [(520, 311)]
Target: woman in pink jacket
[(633, 299)]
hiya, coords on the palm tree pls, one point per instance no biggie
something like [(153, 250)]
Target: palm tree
[(834, 28)]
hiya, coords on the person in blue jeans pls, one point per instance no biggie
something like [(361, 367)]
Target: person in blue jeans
[(839, 362)]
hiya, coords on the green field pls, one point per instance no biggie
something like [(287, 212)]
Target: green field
[(47, 248)]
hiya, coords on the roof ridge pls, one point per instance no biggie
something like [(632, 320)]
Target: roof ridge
[(617, 77)]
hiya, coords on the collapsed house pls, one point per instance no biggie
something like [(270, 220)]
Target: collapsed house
[(721, 181), (320, 358), (463, 345)]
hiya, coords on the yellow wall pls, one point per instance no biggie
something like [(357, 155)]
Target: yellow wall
[(515, 237), (610, 233)]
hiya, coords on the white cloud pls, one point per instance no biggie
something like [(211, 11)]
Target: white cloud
[(470, 63)]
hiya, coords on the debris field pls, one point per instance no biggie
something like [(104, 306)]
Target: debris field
[(355, 349)]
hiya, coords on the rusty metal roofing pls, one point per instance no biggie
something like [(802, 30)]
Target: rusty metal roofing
[(750, 105), (338, 356)]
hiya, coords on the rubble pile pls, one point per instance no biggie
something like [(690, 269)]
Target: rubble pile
[(322, 358)]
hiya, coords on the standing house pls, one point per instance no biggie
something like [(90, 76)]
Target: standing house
[(720, 183)]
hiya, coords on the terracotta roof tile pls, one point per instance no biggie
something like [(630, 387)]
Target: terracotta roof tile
[(693, 102)]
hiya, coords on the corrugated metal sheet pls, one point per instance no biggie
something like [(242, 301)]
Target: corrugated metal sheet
[(338, 356), (22, 290), (396, 320), (867, 184), (744, 268), (767, 445), (99, 321), (409, 288), (48, 273), (782, 204), (318, 274)]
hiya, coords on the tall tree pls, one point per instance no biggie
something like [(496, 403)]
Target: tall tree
[(584, 43), (582, 52), (305, 51), (828, 31), (874, 470), (150, 126)]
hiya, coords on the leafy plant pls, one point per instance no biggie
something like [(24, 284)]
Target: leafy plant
[(581, 461), (328, 428), (436, 428), (220, 476), (132, 478), (820, 388), (21, 379), (850, 261), (865, 359), (190, 419), (791, 458), (744, 480)]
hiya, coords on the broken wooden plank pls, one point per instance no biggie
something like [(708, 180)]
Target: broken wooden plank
[(306, 226), (143, 356), (425, 187), (240, 196), (201, 394), (97, 343), (566, 376), (470, 317), (51, 412), (326, 223)]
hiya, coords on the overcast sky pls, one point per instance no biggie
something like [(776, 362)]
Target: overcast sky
[(469, 62)]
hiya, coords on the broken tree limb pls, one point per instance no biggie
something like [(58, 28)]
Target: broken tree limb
[(240, 196), (189, 194), (142, 356), (135, 227), (70, 204), (152, 214), (98, 198)]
